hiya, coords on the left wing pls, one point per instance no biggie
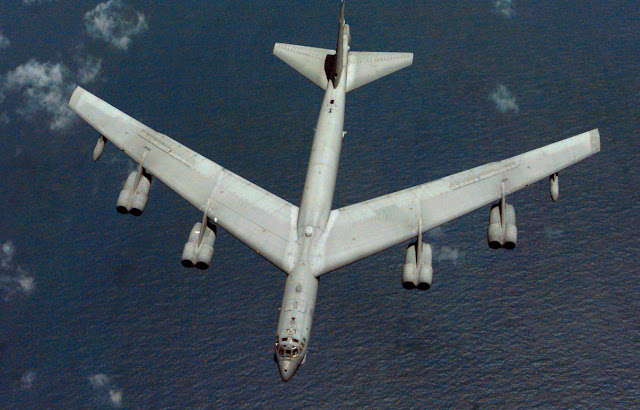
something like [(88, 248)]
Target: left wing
[(360, 230), (263, 221)]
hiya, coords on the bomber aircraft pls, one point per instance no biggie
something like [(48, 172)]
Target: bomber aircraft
[(308, 241)]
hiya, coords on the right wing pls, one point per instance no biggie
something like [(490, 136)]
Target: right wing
[(360, 230), (263, 221)]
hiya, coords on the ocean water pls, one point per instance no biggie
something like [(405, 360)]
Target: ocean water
[(96, 311)]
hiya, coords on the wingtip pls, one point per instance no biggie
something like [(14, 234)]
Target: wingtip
[(595, 140), (77, 93)]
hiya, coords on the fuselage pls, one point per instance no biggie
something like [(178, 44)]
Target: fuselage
[(301, 288)]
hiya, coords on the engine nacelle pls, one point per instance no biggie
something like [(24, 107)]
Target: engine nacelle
[(410, 270), (135, 193), (425, 270), (502, 230), (510, 229), (198, 251), (417, 271), (554, 187), (495, 231)]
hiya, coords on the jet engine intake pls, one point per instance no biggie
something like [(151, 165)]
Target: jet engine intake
[(198, 251), (502, 230), (135, 193)]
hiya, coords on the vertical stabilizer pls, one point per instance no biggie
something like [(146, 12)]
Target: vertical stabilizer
[(342, 50)]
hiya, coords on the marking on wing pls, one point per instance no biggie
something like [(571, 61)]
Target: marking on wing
[(162, 144), (496, 168)]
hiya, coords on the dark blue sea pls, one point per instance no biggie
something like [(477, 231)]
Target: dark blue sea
[(97, 312)]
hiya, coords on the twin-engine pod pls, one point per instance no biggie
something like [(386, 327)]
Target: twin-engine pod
[(502, 231), (417, 271), (198, 251), (135, 193)]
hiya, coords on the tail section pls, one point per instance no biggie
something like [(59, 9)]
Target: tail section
[(358, 68)]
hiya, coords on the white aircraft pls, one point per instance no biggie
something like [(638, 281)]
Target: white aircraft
[(311, 240)]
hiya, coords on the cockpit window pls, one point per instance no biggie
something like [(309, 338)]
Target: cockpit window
[(289, 347)]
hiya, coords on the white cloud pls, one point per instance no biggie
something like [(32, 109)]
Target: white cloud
[(505, 7), (4, 42), (4, 117), (105, 389), (15, 279), (99, 380), (33, 2), (449, 254), (25, 283), (436, 233), (89, 69), (46, 87), (6, 256), (27, 379), (505, 101), (553, 233), (115, 23), (115, 397), (12, 285)]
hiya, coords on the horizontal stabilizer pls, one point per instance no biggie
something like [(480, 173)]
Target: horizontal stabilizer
[(365, 67), (308, 61)]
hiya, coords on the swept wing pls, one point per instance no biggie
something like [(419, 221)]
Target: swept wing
[(261, 220), (360, 230)]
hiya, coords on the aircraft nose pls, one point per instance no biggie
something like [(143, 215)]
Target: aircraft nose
[(286, 369)]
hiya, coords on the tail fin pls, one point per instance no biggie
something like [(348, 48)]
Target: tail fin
[(365, 67)]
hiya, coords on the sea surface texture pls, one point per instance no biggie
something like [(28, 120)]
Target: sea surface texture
[(97, 312)]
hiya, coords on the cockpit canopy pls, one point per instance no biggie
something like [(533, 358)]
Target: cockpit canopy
[(289, 347)]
